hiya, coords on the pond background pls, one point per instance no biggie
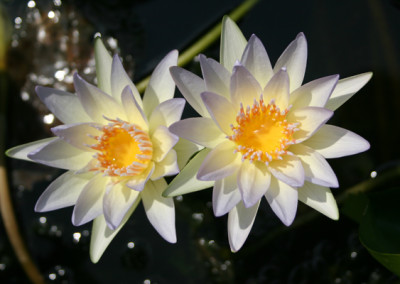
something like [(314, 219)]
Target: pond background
[(344, 37)]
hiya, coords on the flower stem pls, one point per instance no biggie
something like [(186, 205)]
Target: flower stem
[(205, 41)]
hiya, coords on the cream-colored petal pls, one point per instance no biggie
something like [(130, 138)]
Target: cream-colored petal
[(216, 77), (277, 90), (233, 43), (162, 141), (294, 58), (316, 168), (200, 130), (103, 66), (191, 86), (185, 150), (221, 110), (160, 210), (134, 113), (346, 88), (289, 170), (320, 198), (186, 181), (166, 113), (139, 181), (226, 195), (220, 162), (65, 106), (21, 152), (240, 222), (334, 142), (161, 86), (79, 135), (62, 192), (167, 167)]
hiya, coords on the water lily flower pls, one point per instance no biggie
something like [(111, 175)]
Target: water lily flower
[(116, 147), (264, 133)]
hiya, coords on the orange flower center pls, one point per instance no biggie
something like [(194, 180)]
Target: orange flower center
[(262, 132), (124, 149)]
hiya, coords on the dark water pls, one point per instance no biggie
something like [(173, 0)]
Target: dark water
[(345, 37)]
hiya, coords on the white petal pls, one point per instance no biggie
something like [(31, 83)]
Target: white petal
[(253, 180), (79, 135), (283, 200), (310, 119), (90, 202), (60, 154), (315, 93), (166, 167), (103, 65), (62, 192), (166, 113), (161, 86), (244, 87), (200, 130), (186, 180), (277, 90), (160, 210), (97, 103), (294, 58), (139, 181), (102, 235), (133, 111), (191, 86), (334, 142), (346, 88), (162, 141), (320, 198), (226, 195), (185, 150), (316, 168), (240, 222), (120, 80), (289, 170), (221, 110), (233, 43), (256, 60), (220, 162), (65, 106), (21, 152), (216, 77), (117, 201)]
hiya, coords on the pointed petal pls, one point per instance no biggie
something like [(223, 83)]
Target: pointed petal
[(320, 198), (334, 142), (256, 60), (103, 65), (21, 152), (79, 135), (90, 202), (310, 119), (65, 106), (117, 201), (191, 86), (346, 88), (186, 180), (160, 210), (289, 170), (162, 141), (253, 180), (244, 87), (167, 167), (216, 77), (97, 103), (277, 90), (315, 93), (221, 110), (283, 200), (220, 162), (316, 168), (62, 192), (200, 130), (233, 43), (102, 235), (60, 154), (166, 113), (240, 222), (226, 195), (133, 111), (161, 86), (139, 181), (120, 80), (185, 150), (294, 58)]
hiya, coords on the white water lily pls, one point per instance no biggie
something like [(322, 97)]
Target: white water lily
[(264, 133), (116, 147)]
